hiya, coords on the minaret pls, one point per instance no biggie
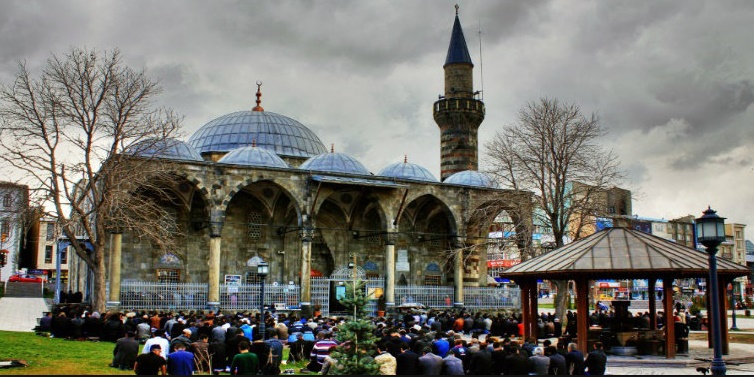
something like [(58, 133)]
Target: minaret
[(458, 113)]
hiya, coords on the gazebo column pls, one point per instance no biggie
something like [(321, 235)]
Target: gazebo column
[(525, 303), (533, 309), (529, 308), (651, 294), (722, 290), (582, 314), (708, 302), (667, 299)]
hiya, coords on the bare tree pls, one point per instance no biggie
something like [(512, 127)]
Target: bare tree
[(553, 151), (67, 132)]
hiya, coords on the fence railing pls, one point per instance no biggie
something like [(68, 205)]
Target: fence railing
[(137, 295), (163, 296), (246, 297), (491, 298), (430, 296)]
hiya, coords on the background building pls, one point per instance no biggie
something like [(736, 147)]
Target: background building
[(14, 204)]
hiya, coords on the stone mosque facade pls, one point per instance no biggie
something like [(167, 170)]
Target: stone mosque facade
[(257, 184)]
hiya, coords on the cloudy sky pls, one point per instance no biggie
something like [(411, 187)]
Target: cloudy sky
[(671, 81)]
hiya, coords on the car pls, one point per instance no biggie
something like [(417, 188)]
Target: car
[(26, 279)]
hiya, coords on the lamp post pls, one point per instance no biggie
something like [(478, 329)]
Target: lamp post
[(352, 265), (733, 306), (710, 229), (263, 269)]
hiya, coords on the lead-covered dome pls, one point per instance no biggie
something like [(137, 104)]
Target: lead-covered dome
[(335, 163), (168, 148), (407, 170), (471, 178), (253, 156), (271, 131)]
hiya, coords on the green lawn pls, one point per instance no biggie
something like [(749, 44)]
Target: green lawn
[(56, 356), (50, 356)]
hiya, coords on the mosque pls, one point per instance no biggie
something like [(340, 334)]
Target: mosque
[(259, 186)]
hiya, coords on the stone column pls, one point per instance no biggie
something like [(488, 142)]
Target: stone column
[(213, 293), (306, 275), (390, 272), (115, 264), (458, 275)]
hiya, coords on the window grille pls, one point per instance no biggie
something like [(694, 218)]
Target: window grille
[(433, 280), (7, 200), (168, 275), (254, 227)]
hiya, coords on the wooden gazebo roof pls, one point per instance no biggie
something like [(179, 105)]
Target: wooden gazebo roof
[(622, 253)]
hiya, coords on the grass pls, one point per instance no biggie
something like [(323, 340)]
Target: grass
[(51, 356), (46, 355)]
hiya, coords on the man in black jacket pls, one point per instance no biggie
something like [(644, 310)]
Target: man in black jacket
[(596, 361), (557, 362), (407, 361), (574, 360)]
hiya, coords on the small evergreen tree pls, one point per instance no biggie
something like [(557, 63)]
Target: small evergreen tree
[(354, 355)]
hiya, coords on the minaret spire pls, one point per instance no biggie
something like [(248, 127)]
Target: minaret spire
[(258, 107), (458, 113)]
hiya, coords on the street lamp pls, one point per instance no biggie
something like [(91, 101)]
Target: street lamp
[(733, 306), (352, 265), (263, 269), (710, 229)]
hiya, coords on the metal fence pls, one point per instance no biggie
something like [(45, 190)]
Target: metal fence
[(321, 293), (491, 298), (162, 296), (430, 296), (246, 297), (137, 295)]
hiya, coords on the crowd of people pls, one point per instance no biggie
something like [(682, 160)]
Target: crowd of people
[(453, 342)]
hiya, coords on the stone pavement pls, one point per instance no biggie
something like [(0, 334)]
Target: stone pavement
[(739, 361), (21, 313)]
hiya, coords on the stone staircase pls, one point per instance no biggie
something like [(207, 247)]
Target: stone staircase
[(18, 289)]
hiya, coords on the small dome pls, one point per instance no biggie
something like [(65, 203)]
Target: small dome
[(253, 156), (407, 170), (164, 148), (471, 178), (271, 131), (334, 163)]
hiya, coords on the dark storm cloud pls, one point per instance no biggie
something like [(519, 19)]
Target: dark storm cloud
[(672, 81)]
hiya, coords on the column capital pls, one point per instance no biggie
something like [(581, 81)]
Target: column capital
[(307, 233)]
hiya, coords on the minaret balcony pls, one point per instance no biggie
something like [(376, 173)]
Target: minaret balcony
[(459, 104)]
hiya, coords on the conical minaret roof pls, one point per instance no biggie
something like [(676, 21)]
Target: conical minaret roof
[(457, 51)]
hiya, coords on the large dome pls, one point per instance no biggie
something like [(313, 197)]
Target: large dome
[(407, 170), (169, 148), (253, 156), (335, 163), (471, 178), (271, 131)]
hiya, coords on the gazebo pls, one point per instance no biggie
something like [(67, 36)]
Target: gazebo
[(620, 253)]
